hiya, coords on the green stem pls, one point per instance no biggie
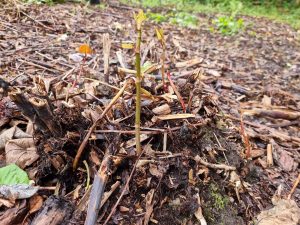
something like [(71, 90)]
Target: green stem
[(138, 93)]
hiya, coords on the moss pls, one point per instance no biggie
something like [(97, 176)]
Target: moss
[(219, 201)]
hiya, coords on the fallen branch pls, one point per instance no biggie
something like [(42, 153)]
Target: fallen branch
[(92, 128), (213, 166)]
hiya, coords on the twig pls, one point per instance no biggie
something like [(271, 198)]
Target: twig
[(87, 175), (294, 187), (106, 195), (92, 128), (106, 84), (123, 191), (176, 91), (126, 131), (214, 166), (38, 66)]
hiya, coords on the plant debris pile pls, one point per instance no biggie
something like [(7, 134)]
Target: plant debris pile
[(220, 139)]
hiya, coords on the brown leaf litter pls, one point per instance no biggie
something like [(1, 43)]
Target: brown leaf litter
[(196, 167)]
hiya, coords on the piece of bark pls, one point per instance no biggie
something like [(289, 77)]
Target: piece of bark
[(14, 215), (27, 109), (55, 211)]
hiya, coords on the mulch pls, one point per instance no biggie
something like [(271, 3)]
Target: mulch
[(241, 106)]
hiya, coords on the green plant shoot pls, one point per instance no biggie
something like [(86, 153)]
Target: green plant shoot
[(139, 18)]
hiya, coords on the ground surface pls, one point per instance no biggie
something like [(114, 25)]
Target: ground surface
[(256, 71)]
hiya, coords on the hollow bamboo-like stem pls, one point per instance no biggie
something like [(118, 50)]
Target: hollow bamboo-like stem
[(138, 91)]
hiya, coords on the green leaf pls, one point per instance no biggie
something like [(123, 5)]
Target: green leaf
[(12, 174)]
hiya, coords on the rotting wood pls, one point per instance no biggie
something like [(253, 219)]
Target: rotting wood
[(44, 112), (98, 187), (27, 108), (55, 211)]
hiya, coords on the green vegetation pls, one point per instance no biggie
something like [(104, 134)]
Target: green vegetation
[(282, 11), (183, 10), (228, 25), (48, 2), (182, 18), (12, 174), (219, 201)]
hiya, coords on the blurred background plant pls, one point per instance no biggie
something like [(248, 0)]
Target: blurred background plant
[(287, 11), (182, 11)]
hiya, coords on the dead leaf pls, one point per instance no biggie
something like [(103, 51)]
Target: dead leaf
[(285, 161), (284, 212), (162, 110), (11, 133), (149, 206), (35, 203), (7, 202), (21, 152), (155, 171), (189, 63), (17, 191), (132, 142)]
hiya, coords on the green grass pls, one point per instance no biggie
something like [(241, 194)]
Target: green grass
[(287, 13)]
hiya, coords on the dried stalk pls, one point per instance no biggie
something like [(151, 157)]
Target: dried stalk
[(106, 51), (294, 187)]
